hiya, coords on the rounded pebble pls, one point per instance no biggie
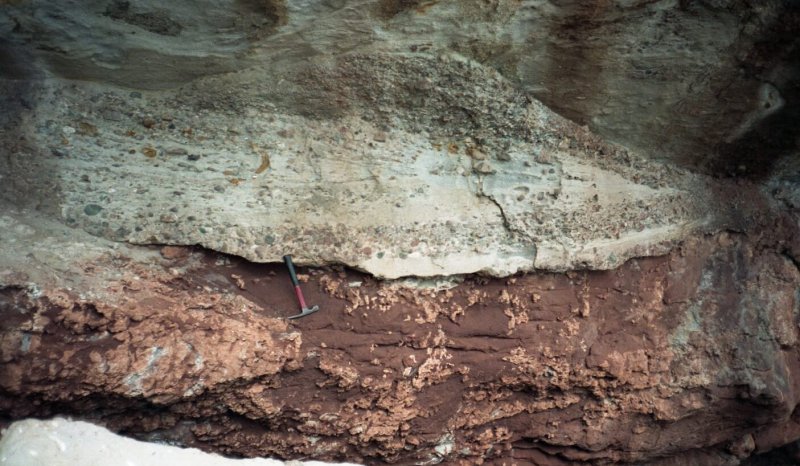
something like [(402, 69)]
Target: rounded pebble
[(92, 209)]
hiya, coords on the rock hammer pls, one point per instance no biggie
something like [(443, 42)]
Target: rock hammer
[(304, 310)]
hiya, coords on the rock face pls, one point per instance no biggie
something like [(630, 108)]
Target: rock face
[(62, 442), (377, 136), (628, 365), (700, 82), (259, 184), (595, 206)]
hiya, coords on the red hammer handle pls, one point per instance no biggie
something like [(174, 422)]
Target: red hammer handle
[(293, 275), (300, 298)]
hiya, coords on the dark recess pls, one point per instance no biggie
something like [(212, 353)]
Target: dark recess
[(774, 59), (388, 9), (156, 22)]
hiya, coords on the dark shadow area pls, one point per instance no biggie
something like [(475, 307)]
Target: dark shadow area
[(388, 9), (787, 455), (264, 16), (17, 75), (157, 22), (25, 180), (775, 59), (672, 96)]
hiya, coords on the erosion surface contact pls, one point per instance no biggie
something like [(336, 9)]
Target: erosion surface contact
[(538, 232)]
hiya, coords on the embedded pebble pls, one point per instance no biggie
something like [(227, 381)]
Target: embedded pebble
[(92, 209), (483, 167), (112, 115)]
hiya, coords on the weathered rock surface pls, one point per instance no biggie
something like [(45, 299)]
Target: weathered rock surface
[(255, 182), (627, 365), (380, 135), (635, 303), (261, 184), (701, 82)]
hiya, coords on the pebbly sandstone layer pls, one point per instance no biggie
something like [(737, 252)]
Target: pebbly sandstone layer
[(595, 207), (508, 187), (398, 138)]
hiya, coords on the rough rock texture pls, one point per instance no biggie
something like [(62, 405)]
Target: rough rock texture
[(701, 82), (622, 177), (400, 138), (628, 365), (258, 183)]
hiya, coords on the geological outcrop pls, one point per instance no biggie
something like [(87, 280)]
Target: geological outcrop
[(627, 365), (539, 232)]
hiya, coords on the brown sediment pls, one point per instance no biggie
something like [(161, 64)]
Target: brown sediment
[(626, 365), (577, 58), (388, 9)]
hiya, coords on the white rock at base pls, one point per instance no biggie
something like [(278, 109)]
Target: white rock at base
[(61, 442)]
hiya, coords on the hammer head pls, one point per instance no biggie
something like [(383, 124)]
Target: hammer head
[(306, 311)]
